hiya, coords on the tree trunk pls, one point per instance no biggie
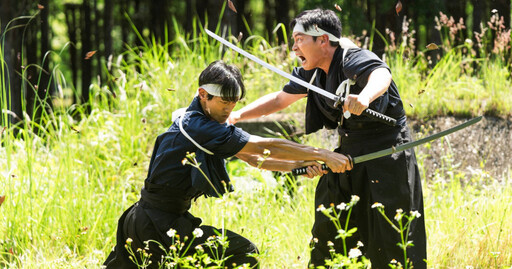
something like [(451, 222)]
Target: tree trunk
[(159, 11), (282, 11), (45, 90), (11, 98), (385, 18), (108, 22), (503, 7), (86, 47), (457, 9), (98, 37), (479, 9), (30, 72), (190, 7), (269, 18), (70, 11)]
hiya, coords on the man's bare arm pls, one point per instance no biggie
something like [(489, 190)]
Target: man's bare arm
[(265, 105), (273, 164), (288, 150), (378, 83)]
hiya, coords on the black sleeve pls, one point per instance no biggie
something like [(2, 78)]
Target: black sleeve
[(294, 88)]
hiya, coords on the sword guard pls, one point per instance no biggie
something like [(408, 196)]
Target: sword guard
[(339, 101)]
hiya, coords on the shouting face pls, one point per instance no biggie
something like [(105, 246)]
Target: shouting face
[(307, 49), (313, 53)]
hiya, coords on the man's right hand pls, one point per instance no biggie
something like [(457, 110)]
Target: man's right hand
[(338, 163)]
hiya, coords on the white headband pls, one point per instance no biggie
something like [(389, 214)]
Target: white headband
[(317, 31), (314, 31), (215, 89)]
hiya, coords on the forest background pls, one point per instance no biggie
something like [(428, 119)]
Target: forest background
[(87, 85)]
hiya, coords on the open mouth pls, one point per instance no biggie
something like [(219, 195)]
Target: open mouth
[(302, 58)]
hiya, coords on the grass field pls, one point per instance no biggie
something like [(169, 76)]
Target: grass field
[(66, 188)]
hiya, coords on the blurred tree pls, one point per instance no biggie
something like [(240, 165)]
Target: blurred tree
[(25, 41), (104, 27)]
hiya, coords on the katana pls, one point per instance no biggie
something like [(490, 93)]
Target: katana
[(402, 147), (337, 99)]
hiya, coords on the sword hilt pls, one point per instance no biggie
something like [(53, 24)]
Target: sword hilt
[(303, 170), (369, 113)]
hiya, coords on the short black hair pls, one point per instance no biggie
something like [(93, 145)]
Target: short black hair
[(229, 76), (323, 18)]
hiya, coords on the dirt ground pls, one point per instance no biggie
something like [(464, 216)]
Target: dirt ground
[(483, 149)]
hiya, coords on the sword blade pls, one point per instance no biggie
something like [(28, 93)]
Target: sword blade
[(337, 99), (301, 82), (389, 151)]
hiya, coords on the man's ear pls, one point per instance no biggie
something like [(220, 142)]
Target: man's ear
[(324, 39), (202, 93)]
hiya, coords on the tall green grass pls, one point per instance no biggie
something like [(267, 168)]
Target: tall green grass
[(66, 189)]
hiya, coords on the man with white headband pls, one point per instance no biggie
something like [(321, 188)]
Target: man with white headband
[(393, 181), (162, 213)]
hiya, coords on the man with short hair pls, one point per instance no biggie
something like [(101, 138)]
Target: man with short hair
[(394, 181), (170, 186)]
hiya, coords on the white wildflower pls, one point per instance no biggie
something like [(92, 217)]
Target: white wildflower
[(342, 206), (354, 253), (197, 232), (415, 214), (377, 205), (320, 208), (398, 215), (171, 233)]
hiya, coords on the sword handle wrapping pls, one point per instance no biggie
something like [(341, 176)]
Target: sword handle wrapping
[(303, 170), (379, 117)]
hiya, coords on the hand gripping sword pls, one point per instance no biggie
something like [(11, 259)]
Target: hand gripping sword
[(338, 100), (385, 152)]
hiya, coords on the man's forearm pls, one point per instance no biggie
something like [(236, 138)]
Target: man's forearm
[(271, 163), (263, 106), (288, 150), (378, 83)]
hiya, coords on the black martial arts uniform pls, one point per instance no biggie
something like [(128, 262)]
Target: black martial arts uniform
[(171, 186), (393, 180)]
